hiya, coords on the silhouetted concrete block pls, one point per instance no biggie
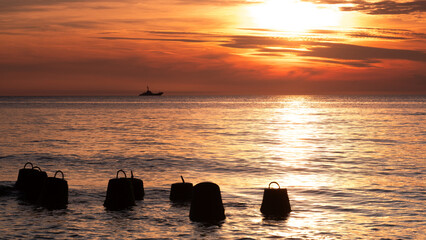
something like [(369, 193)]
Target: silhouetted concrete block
[(30, 182), (181, 192), (206, 204), (138, 189), (54, 194), (120, 193), (275, 202), (24, 176)]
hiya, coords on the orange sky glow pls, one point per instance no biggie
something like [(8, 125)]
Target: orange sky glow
[(203, 47)]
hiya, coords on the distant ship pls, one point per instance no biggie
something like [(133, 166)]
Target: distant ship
[(149, 93)]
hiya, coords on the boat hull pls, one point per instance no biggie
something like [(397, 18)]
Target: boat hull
[(151, 94)]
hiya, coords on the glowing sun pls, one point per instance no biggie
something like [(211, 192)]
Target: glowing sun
[(292, 15)]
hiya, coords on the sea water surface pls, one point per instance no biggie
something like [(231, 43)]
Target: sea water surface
[(353, 166)]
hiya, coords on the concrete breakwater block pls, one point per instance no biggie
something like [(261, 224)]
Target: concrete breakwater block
[(120, 193), (30, 181), (206, 204), (24, 176), (138, 189), (181, 192), (275, 202), (54, 194)]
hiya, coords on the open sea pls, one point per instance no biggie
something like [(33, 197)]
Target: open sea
[(354, 166)]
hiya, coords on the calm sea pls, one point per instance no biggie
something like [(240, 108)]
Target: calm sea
[(354, 167)]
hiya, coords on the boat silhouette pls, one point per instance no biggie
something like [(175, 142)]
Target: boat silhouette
[(149, 93)]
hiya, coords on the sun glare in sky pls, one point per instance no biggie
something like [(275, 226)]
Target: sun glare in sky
[(293, 15)]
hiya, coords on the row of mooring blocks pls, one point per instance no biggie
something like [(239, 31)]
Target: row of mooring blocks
[(205, 197), (37, 187)]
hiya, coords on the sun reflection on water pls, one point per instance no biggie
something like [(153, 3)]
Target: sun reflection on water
[(293, 131)]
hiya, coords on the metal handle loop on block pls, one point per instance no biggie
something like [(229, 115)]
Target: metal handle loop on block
[(30, 164), (131, 172), (60, 172), (121, 170), (37, 167), (275, 183), (183, 181)]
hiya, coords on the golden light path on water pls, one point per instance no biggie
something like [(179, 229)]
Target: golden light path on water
[(299, 135), (293, 128)]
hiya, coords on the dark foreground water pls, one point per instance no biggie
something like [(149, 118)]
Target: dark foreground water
[(354, 167)]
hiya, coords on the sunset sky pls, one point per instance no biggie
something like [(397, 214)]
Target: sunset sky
[(203, 47)]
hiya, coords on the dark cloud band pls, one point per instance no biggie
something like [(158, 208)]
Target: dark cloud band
[(378, 8)]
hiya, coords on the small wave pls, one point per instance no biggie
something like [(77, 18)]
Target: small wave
[(375, 140), (236, 205), (416, 114), (45, 158), (6, 189), (338, 194), (50, 140), (377, 190), (75, 129), (342, 209), (382, 140)]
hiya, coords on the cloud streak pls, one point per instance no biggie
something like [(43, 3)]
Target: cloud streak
[(332, 51), (354, 52), (370, 35), (387, 7), (42, 5), (155, 39), (313, 49), (219, 2), (33, 5), (378, 8)]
